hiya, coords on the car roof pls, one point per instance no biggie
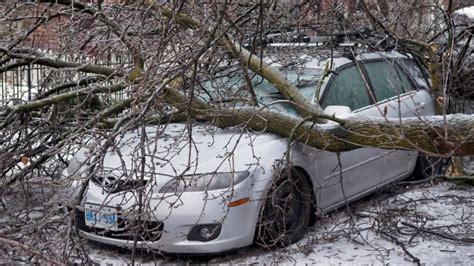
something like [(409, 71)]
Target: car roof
[(318, 60)]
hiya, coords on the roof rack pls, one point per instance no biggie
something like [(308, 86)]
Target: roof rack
[(347, 39)]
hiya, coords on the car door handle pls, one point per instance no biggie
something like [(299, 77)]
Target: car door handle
[(421, 105)]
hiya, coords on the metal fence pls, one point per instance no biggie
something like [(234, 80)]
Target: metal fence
[(23, 83), (20, 84)]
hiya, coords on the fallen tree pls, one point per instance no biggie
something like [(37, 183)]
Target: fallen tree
[(99, 71), (427, 135)]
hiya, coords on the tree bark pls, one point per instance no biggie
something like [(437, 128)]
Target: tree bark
[(353, 133)]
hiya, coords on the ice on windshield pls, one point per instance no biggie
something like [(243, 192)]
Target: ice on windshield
[(232, 88)]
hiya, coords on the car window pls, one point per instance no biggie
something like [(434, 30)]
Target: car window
[(267, 94), (305, 79), (415, 72), (229, 87), (347, 88), (225, 87), (387, 80)]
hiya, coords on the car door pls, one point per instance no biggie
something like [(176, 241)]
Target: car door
[(346, 175), (396, 96)]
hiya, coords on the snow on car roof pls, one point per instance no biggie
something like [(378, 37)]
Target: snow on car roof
[(467, 11), (302, 56)]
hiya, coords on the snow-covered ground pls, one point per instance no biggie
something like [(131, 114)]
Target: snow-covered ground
[(432, 223)]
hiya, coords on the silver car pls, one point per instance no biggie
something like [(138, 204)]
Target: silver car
[(181, 188)]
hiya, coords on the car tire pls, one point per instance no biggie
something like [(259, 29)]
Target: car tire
[(286, 211), (427, 167)]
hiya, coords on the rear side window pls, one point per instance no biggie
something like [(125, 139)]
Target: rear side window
[(347, 88), (387, 79)]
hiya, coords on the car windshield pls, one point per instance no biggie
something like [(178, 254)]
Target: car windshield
[(230, 87)]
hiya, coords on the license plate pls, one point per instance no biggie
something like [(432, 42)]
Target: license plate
[(100, 216)]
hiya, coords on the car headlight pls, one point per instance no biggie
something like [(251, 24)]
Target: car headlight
[(204, 182)]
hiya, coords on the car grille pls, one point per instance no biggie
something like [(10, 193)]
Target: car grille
[(127, 229), (113, 184)]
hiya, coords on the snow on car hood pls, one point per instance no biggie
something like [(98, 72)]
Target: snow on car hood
[(169, 152)]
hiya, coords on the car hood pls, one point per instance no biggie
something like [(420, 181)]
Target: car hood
[(179, 149)]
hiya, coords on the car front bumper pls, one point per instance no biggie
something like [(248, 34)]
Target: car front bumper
[(186, 211)]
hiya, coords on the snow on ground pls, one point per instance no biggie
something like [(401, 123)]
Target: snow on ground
[(431, 222)]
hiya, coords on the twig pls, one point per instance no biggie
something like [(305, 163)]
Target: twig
[(417, 232), (394, 239), (441, 234)]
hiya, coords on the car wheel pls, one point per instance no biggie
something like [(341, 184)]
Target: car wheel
[(286, 212), (427, 167)]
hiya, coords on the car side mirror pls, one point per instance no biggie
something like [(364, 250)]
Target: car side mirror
[(337, 110)]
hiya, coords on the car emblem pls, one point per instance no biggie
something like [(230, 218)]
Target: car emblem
[(109, 183)]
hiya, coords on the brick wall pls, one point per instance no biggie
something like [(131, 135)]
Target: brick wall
[(45, 37)]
